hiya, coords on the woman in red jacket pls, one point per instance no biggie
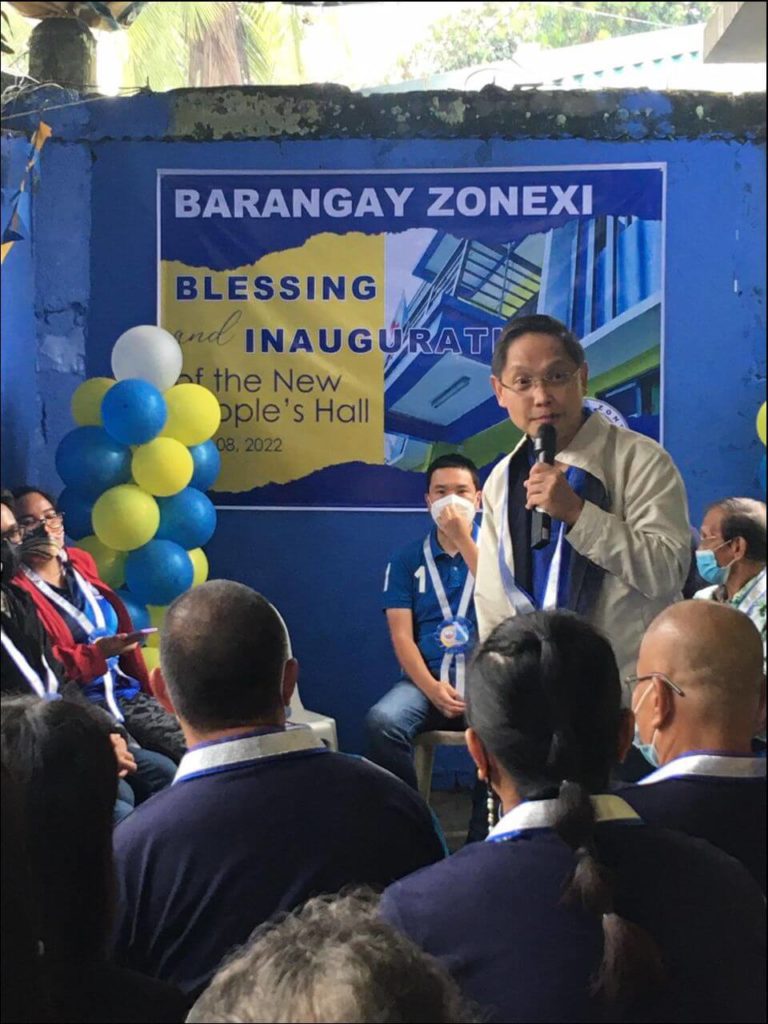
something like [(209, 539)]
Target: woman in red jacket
[(89, 626)]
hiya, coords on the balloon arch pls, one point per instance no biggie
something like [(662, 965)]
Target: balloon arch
[(135, 470)]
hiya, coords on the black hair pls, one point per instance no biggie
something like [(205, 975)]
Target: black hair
[(544, 696), (23, 492), (453, 461), (537, 323), (222, 651), (744, 517), (64, 766), (23, 995), (7, 499)]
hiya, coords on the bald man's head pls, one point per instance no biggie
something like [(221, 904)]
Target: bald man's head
[(714, 653), (223, 650)]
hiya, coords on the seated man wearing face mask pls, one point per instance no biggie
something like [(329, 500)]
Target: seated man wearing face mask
[(428, 600)]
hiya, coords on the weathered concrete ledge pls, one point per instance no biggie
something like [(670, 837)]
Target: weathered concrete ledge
[(329, 111)]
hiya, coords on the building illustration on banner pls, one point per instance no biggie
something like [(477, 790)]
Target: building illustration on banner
[(345, 321), (601, 277)]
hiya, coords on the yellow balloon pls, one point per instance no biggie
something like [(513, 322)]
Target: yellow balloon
[(87, 399), (151, 657), (162, 467), (761, 423), (153, 640), (125, 517), (109, 562), (194, 414), (200, 566), (157, 614)]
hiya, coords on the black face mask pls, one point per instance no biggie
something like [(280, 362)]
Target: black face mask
[(11, 560)]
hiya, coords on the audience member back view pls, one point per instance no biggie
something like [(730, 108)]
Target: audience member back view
[(261, 815), (697, 696), (574, 909), (332, 961), (59, 786)]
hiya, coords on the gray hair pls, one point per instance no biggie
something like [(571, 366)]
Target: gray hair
[(333, 960), (744, 517)]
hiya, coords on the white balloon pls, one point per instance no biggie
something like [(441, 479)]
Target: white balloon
[(149, 353)]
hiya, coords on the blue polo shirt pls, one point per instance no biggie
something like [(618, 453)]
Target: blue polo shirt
[(407, 584)]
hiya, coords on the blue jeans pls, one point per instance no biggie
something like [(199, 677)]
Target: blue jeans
[(392, 725), (153, 772)]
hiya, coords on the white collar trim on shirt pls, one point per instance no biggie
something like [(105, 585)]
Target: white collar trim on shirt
[(536, 814), (709, 766), (231, 753)]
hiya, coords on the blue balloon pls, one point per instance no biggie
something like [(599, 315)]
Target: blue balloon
[(761, 475), (207, 461), (137, 611), (89, 461), (133, 412), (77, 510), (188, 518), (158, 572)]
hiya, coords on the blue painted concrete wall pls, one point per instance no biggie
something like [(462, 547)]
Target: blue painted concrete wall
[(19, 405), (324, 570)]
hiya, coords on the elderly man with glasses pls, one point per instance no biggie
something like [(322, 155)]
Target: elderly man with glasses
[(619, 548), (698, 696)]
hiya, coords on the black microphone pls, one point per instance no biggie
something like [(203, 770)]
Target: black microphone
[(544, 450)]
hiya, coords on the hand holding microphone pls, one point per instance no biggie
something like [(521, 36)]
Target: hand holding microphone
[(549, 493), (544, 450)]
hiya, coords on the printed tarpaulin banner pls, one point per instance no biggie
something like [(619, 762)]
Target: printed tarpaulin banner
[(345, 320)]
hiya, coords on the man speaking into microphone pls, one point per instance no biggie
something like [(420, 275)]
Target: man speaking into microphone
[(583, 514)]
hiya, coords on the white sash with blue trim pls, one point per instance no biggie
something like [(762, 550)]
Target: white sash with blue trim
[(542, 814), (216, 757), (88, 626), (709, 766), (466, 596), (518, 598), (48, 690)]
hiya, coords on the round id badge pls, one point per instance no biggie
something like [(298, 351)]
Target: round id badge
[(455, 635)]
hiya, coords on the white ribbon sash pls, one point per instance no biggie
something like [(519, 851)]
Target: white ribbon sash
[(518, 598), (540, 814), (466, 596), (217, 757), (43, 689), (88, 627), (709, 766)]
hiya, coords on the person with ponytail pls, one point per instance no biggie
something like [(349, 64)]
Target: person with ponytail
[(574, 909)]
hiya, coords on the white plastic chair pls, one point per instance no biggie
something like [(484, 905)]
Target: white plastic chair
[(321, 725), (424, 754)]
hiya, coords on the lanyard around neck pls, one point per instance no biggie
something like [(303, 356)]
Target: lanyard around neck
[(450, 657), (47, 689), (88, 626)]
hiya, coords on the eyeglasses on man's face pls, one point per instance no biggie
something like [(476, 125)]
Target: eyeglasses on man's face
[(631, 682), (13, 534), (555, 380), (51, 518)]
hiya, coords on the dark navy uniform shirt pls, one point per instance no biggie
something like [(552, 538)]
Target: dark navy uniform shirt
[(205, 861), (728, 812), (407, 584), (493, 915)]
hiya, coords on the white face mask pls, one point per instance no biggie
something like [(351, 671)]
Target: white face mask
[(465, 507)]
